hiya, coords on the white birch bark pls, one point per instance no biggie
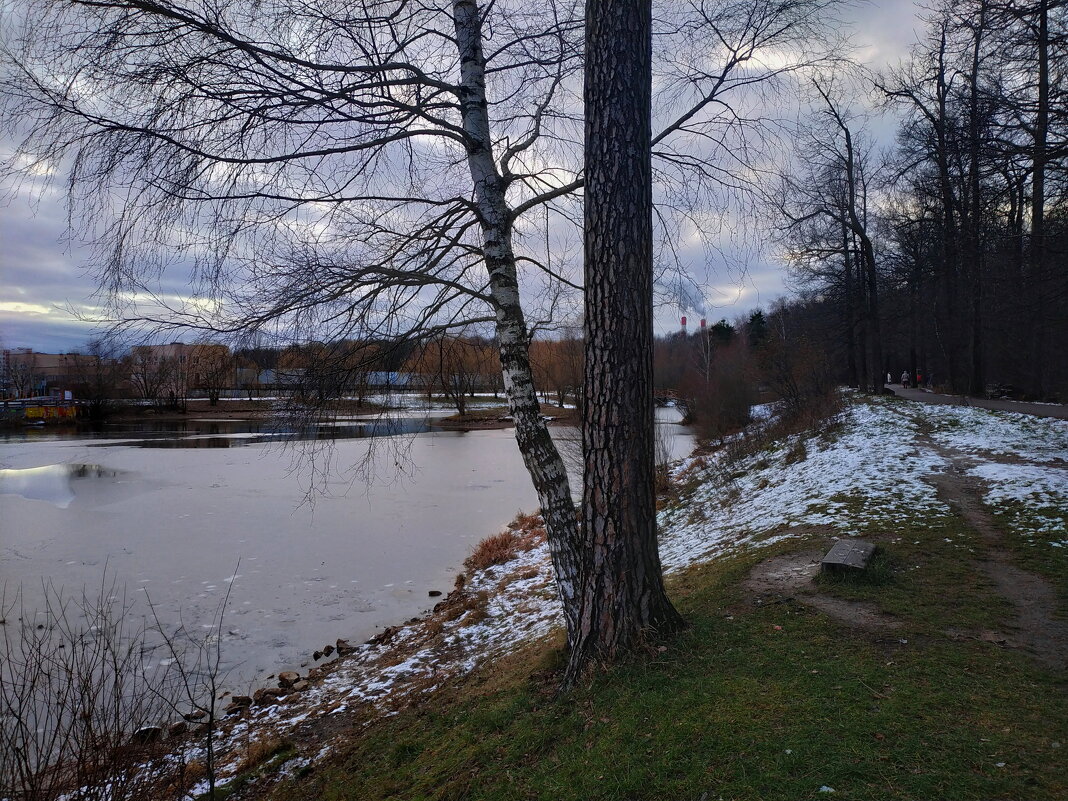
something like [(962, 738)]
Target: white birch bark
[(540, 455)]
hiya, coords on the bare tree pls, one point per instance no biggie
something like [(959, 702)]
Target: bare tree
[(454, 366), (212, 367), (826, 221), (148, 374), (79, 715), (22, 374), (367, 170)]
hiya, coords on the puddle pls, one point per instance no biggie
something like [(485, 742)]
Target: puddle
[(54, 483)]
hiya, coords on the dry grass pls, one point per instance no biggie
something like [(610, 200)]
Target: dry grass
[(458, 604), (522, 534), (191, 774), (526, 522), (259, 751)]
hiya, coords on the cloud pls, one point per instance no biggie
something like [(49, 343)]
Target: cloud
[(43, 270)]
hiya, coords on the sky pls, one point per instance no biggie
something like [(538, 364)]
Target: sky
[(45, 285)]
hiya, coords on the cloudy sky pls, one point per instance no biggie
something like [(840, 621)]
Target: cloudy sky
[(43, 278)]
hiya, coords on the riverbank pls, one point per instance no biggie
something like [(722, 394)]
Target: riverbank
[(257, 409), (940, 677), (499, 417)]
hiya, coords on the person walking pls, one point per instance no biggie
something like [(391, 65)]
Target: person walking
[(905, 380)]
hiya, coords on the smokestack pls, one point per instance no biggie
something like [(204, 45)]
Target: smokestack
[(684, 324), (702, 323)]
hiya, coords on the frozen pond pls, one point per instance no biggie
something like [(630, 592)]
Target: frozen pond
[(322, 555)]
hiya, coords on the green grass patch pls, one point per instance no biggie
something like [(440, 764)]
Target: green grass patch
[(770, 701), (1030, 531), (881, 570)]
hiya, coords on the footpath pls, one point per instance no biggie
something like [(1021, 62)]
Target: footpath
[(1059, 411)]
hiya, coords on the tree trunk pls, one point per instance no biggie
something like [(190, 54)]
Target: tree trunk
[(1039, 159), (540, 455), (973, 263), (950, 275), (849, 312), (622, 595)]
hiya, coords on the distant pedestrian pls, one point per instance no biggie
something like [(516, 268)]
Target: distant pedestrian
[(889, 380), (905, 379)]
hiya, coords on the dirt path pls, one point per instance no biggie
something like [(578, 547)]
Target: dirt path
[(1037, 409), (790, 577), (1036, 628)]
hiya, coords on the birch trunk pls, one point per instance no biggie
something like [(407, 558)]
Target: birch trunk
[(540, 455)]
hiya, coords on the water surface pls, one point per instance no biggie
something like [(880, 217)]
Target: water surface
[(307, 551)]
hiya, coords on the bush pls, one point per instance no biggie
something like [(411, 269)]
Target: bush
[(719, 395), (79, 714)]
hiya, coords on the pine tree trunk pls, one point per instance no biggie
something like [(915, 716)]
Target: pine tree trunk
[(622, 594)]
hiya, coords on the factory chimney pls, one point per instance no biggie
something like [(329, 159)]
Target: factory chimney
[(702, 323), (684, 324)]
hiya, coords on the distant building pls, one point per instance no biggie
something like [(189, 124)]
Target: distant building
[(26, 373)]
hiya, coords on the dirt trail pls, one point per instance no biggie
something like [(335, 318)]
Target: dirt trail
[(1037, 409), (1036, 628), (790, 577)]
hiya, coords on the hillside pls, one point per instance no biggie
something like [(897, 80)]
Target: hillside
[(940, 675)]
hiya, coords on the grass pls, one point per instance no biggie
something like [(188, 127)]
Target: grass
[(1029, 531), (263, 759), (739, 709), (524, 533)]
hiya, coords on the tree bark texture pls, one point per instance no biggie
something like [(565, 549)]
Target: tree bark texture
[(622, 592), (540, 455), (1038, 201)]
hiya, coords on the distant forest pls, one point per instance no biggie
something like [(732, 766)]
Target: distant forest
[(945, 254)]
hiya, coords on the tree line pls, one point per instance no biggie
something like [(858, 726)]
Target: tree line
[(943, 254)]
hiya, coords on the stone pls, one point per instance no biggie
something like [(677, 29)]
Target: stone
[(329, 649), (317, 655), (435, 593), (300, 686), (287, 678), (382, 638), (238, 704), (847, 555), (268, 695), (177, 729), (194, 716), (343, 648), (146, 735)]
